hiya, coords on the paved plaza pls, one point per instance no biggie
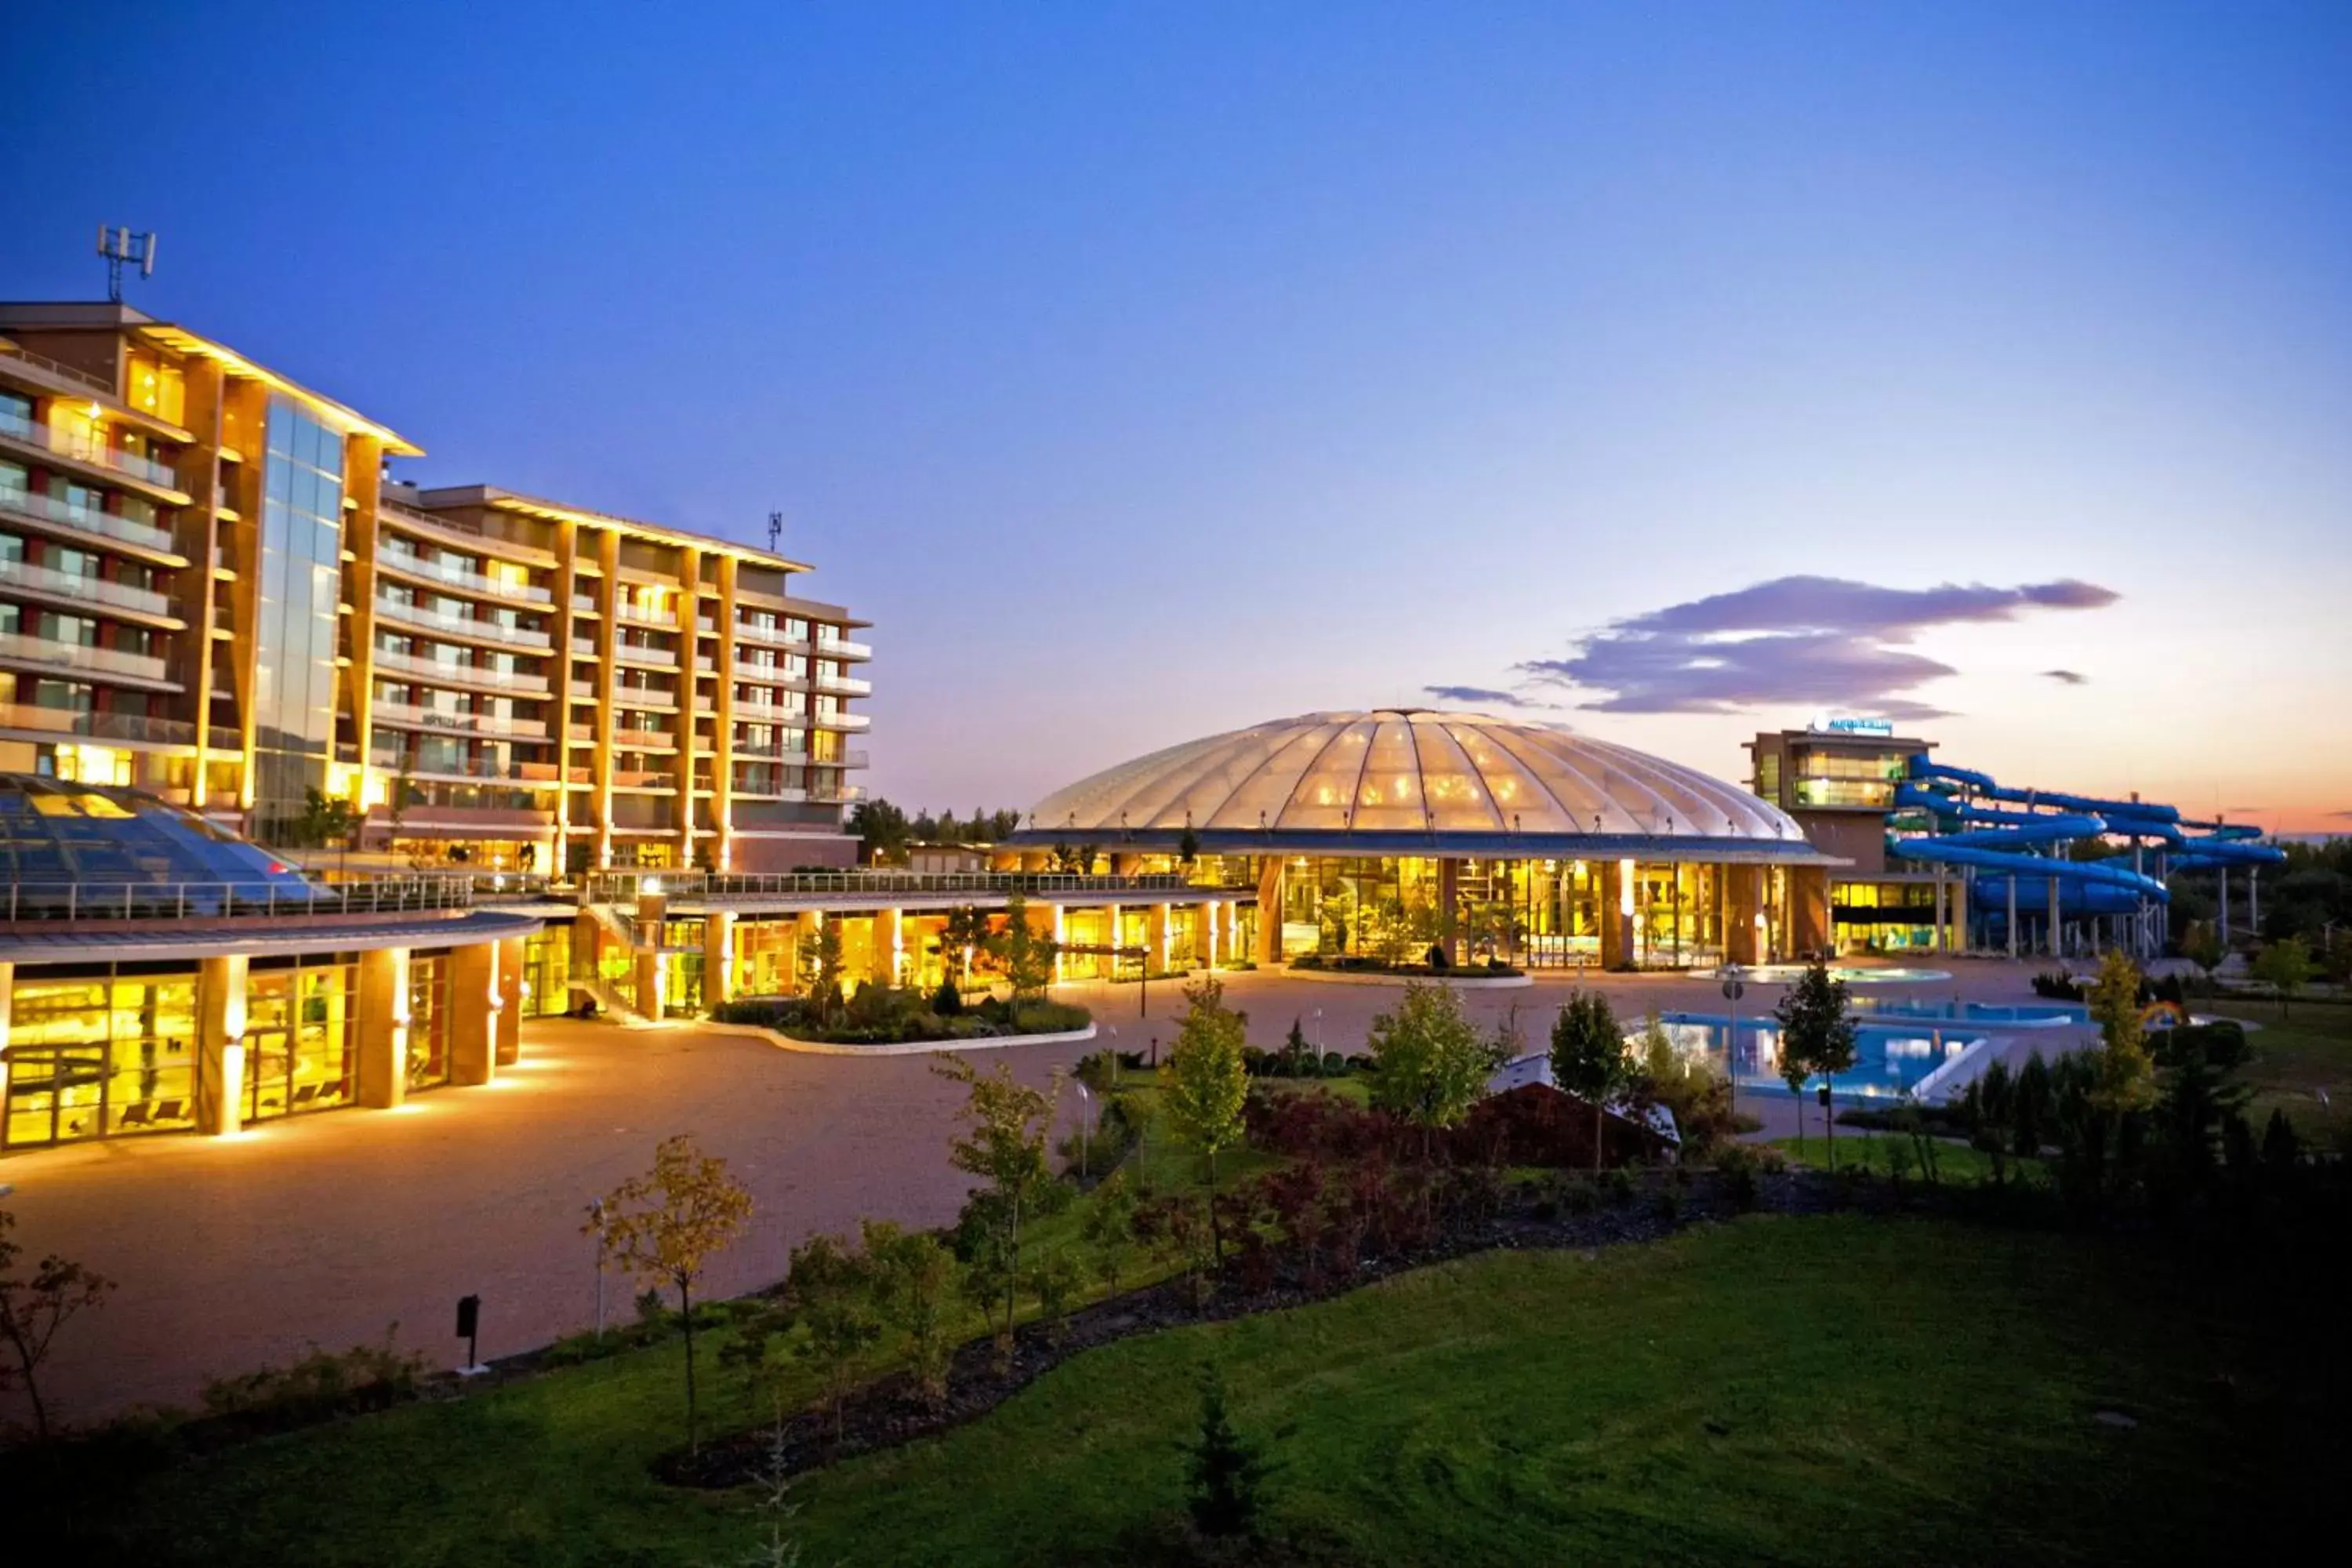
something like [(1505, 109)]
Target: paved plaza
[(324, 1231)]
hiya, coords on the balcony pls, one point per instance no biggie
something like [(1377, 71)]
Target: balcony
[(648, 658), (847, 759), (650, 779), (841, 721), (461, 626), (80, 449), (639, 615), (767, 675), (436, 670), (99, 525), (98, 661), (128, 727), (585, 604), (643, 696), (78, 590), (413, 716), (629, 737), (465, 578), (841, 648), (540, 775), (773, 636), (845, 685), (581, 649), (768, 713)]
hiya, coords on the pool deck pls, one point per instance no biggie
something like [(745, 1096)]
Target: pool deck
[(326, 1229)]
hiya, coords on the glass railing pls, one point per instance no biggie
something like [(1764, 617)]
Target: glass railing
[(642, 617), (48, 509), (83, 449), (639, 697), (75, 656), (473, 723), (585, 604), (101, 726), (847, 759), (33, 901), (385, 659), (467, 768), (623, 886), (841, 648), (89, 590), (465, 578), (654, 657), (776, 636), (841, 721), (845, 685), (461, 626)]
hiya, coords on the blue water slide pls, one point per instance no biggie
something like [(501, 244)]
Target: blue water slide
[(1992, 842)]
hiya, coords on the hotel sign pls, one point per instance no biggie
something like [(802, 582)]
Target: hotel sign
[(1850, 726)]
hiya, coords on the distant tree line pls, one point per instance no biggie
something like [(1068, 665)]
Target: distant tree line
[(886, 830)]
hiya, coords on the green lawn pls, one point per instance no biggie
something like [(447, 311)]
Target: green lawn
[(1955, 1162), (2307, 1050), (1832, 1390)]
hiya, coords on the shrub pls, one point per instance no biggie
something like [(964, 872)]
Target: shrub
[(1438, 959), (1736, 1167), (1336, 1065), (1618, 1185), (320, 1384), (947, 1001)]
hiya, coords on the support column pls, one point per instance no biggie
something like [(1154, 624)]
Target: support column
[(1211, 912), (2254, 900), (1743, 941), (384, 1028), (2225, 907), (1269, 909), (889, 945), (807, 924), (1938, 947), (510, 1001), (718, 958), (474, 1013), (1809, 911), (220, 1044), (7, 999), (2013, 917), (653, 913), (2057, 930), (1449, 910), (1155, 937), (1616, 914)]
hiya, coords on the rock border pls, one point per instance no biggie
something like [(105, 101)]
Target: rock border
[(783, 1042)]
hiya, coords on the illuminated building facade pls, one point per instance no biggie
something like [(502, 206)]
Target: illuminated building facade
[(210, 588)]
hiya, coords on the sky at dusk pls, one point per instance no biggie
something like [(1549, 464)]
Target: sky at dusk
[(1145, 370)]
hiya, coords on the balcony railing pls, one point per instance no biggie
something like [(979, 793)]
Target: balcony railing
[(845, 686), (461, 626), (434, 669), (469, 723), (57, 367), (841, 648), (623, 886), (585, 604), (849, 758), (651, 658), (467, 768), (83, 449), (642, 697), (44, 902), (774, 636), (841, 721), (49, 509), (94, 726), (463, 577), (639, 614), (75, 656), (89, 590)]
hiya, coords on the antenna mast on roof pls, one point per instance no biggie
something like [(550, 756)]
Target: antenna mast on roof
[(775, 532), (120, 245)]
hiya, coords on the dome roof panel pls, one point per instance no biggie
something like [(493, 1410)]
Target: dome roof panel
[(1411, 771)]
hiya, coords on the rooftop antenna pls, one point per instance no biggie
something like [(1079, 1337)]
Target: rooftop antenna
[(775, 532), (120, 245)]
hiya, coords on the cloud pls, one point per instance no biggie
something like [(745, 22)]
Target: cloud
[(2068, 677), (1485, 694), (2347, 816), (1793, 640)]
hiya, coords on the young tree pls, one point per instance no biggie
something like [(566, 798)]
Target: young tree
[(2201, 945), (831, 1289), (2125, 1073), (1025, 954), (1430, 1063), (1816, 1036), (1003, 1145), (1204, 1084), (1225, 1470), (2284, 966), (822, 967), (1588, 1056), (32, 1307), (1988, 1108), (665, 1225), (1109, 1226), (964, 934), (911, 1273), (1188, 849)]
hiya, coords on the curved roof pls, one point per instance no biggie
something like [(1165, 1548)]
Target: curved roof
[(1398, 779), (55, 832)]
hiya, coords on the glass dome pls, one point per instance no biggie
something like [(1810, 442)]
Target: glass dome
[(1395, 776), (56, 834)]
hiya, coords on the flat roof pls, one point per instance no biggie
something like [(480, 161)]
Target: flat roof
[(134, 941), (498, 499)]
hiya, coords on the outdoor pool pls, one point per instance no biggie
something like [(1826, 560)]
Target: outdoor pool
[(1853, 974), (1890, 1061), (2019, 1015)]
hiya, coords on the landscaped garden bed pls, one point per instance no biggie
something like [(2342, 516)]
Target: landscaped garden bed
[(884, 1015)]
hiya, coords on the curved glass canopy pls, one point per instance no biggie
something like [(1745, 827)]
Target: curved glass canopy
[(1394, 774), (56, 833)]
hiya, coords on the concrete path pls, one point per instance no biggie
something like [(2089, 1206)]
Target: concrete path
[(324, 1231)]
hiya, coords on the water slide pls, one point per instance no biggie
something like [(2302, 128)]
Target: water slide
[(1999, 846)]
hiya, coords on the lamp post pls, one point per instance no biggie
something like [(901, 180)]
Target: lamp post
[(1735, 985), (596, 1217), (1086, 1104)]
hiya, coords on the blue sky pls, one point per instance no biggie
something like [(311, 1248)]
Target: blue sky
[(1144, 370)]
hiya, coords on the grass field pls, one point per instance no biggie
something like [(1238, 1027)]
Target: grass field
[(1874, 1151), (1823, 1390), (2294, 1056)]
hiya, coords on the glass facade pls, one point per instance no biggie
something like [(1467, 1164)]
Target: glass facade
[(1824, 778), (300, 1038), (429, 984), (102, 1053), (301, 574)]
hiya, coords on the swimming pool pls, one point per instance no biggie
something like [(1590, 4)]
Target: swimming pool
[(1853, 974), (1890, 1061), (2012, 1015)]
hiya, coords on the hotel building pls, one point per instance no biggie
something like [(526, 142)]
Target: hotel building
[(211, 589), (1836, 780)]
